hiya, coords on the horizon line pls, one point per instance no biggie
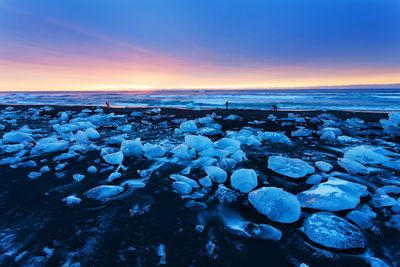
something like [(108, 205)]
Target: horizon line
[(221, 88)]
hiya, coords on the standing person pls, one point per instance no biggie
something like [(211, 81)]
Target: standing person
[(226, 105), (108, 104), (274, 107)]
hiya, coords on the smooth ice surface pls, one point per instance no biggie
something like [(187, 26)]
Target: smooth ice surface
[(276, 204), (132, 147), (294, 168), (332, 231), (333, 195)]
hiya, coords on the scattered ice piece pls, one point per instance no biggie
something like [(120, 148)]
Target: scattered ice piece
[(366, 155), (114, 158), (92, 133), (102, 192), (192, 204), (182, 188), (324, 166), (161, 254), (135, 183), (113, 176), (44, 169), (217, 174), (206, 181), (352, 167), (92, 169), (198, 142), (132, 147), (276, 204), (72, 200), (183, 152), (152, 151), (265, 231), (49, 145), (188, 127), (17, 137), (302, 132), (226, 195), (81, 138), (360, 219), (233, 117), (294, 168), (224, 143), (314, 179), (78, 177), (333, 195), (210, 247), (331, 231), (34, 175), (274, 137), (199, 228), (244, 180)]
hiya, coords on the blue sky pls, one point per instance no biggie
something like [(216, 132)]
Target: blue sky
[(203, 40)]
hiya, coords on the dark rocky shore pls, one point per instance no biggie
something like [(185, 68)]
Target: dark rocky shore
[(156, 201)]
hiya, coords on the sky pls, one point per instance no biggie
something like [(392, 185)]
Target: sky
[(188, 44)]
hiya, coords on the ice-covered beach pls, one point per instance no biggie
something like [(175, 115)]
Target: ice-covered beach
[(95, 186)]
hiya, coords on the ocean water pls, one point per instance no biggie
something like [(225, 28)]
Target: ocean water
[(325, 99)]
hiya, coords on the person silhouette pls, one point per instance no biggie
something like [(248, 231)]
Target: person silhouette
[(274, 107), (108, 104), (226, 105)]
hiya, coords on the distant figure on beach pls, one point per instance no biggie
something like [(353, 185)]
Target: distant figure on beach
[(226, 105), (108, 104), (274, 107)]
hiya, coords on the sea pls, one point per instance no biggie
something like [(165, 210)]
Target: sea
[(305, 99)]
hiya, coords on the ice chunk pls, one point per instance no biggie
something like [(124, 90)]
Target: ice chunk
[(365, 155), (81, 138), (331, 231), (161, 254), (244, 180), (302, 132), (102, 192), (226, 195), (184, 179), (188, 127), (233, 117), (324, 166), (49, 145), (276, 204), (152, 151), (276, 137), (265, 231), (206, 181), (34, 175), (224, 143), (113, 176), (135, 183), (183, 152), (72, 200), (293, 168), (198, 142), (114, 158), (217, 174), (182, 188), (92, 169), (17, 137), (92, 133), (78, 177), (333, 195), (352, 167), (132, 147), (360, 219)]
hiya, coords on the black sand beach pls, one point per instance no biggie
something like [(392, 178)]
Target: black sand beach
[(151, 225)]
